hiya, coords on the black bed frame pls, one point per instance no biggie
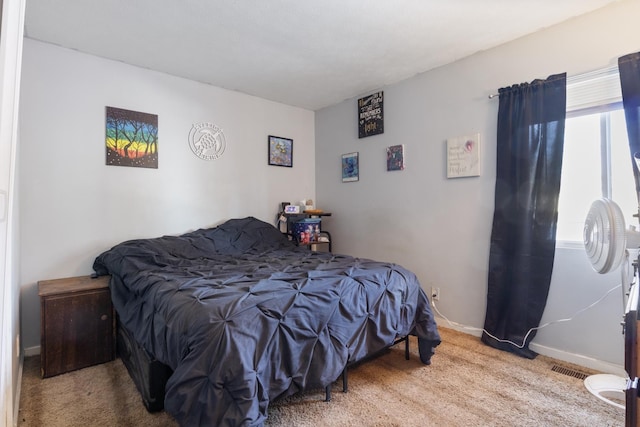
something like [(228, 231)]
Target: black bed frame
[(150, 376), (345, 386)]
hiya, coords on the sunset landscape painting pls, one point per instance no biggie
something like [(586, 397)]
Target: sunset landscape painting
[(131, 138)]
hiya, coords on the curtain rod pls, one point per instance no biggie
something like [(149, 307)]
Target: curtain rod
[(582, 77)]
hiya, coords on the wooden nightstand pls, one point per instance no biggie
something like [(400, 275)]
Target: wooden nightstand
[(77, 324)]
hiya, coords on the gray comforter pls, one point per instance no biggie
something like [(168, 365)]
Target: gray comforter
[(243, 316)]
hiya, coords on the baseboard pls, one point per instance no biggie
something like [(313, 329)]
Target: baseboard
[(476, 332), (32, 351), (576, 359)]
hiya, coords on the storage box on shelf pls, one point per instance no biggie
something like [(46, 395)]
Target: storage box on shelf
[(306, 229)]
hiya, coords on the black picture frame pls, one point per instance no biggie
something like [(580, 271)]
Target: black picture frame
[(371, 115), (280, 151)]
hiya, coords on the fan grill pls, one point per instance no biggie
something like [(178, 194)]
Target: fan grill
[(604, 235)]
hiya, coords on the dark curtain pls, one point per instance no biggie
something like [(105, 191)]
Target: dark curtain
[(531, 118), (629, 67)]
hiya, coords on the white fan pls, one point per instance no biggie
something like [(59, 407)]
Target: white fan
[(605, 237), (606, 241)]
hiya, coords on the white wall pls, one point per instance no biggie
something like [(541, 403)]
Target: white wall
[(74, 206), (440, 228)]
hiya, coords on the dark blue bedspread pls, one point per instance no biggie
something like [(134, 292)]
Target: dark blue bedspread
[(243, 316)]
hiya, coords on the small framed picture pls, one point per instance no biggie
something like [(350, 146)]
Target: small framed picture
[(350, 167), (463, 156), (395, 158), (280, 151)]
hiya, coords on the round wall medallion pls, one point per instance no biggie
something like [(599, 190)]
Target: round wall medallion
[(207, 141)]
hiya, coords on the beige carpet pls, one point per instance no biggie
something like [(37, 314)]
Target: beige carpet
[(468, 384)]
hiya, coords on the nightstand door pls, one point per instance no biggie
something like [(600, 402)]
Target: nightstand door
[(77, 331)]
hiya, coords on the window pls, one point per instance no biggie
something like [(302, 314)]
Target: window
[(596, 160)]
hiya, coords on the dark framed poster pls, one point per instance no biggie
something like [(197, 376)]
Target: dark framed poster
[(370, 115)]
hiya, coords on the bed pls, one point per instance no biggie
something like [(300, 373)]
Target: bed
[(241, 316)]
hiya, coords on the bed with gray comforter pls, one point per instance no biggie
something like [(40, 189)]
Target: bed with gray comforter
[(243, 316)]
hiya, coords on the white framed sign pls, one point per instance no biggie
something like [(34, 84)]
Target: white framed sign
[(463, 156)]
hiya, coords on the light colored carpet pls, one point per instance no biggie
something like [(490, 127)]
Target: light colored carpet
[(468, 384)]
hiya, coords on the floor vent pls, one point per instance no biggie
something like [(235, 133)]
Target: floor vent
[(570, 372)]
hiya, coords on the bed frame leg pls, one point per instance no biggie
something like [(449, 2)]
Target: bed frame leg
[(345, 377), (345, 386), (406, 347), (327, 389)]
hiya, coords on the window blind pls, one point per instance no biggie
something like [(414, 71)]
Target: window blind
[(594, 89)]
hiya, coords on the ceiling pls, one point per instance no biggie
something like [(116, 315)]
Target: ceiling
[(309, 54)]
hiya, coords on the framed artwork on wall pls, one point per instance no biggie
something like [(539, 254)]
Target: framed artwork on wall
[(463, 156), (395, 158), (350, 167), (280, 151), (371, 115), (131, 138)]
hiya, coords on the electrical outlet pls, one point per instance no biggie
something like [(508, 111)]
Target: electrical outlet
[(435, 294)]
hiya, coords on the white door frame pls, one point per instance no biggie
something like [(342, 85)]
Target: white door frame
[(11, 38)]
